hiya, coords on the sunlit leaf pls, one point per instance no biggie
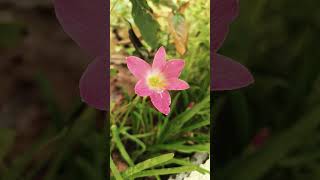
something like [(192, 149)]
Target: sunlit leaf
[(184, 148), (147, 25), (165, 171), (148, 164), (114, 170)]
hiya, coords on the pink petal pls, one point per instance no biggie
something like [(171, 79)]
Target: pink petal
[(86, 22), (142, 89), (173, 68), (176, 84), (94, 83), (137, 67), (223, 13), (161, 101), (227, 74), (159, 60)]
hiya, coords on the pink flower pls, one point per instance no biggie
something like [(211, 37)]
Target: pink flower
[(157, 79)]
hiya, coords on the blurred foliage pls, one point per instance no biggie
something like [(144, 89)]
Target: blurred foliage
[(277, 40), (71, 147), (10, 34)]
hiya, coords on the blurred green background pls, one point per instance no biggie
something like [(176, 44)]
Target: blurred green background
[(45, 130), (270, 130)]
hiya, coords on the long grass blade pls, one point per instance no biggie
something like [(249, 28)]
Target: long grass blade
[(120, 146), (148, 164)]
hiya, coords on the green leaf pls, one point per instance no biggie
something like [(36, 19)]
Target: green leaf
[(148, 164), (178, 122), (120, 146), (166, 171), (148, 26), (114, 170), (187, 163), (136, 140), (183, 148), (196, 125)]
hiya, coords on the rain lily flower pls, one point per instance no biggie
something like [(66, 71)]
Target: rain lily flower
[(156, 80), (87, 21)]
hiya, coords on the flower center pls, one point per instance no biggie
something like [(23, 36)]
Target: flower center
[(156, 82)]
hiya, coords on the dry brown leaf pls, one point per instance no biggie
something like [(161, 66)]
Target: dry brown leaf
[(178, 29), (183, 7)]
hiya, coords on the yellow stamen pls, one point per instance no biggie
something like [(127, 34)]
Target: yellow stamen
[(156, 82)]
